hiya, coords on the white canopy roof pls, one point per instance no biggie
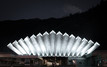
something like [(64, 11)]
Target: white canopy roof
[(53, 44)]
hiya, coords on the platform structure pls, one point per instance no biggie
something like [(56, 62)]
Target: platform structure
[(54, 48)]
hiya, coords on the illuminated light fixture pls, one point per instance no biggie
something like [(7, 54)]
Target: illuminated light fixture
[(53, 44)]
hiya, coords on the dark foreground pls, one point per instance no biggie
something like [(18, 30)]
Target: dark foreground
[(46, 66)]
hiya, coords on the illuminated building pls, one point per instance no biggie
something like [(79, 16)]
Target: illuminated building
[(54, 49), (53, 44)]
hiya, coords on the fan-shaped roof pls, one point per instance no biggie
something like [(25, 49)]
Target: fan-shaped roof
[(53, 44)]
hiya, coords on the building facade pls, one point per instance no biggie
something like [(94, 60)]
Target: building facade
[(98, 59)]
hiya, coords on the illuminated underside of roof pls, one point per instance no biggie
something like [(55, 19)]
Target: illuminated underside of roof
[(53, 44)]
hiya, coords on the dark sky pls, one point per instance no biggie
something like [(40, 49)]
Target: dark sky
[(27, 9)]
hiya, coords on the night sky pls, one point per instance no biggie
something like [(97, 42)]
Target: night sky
[(25, 9), (57, 15)]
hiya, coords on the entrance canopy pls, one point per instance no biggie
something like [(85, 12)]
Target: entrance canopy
[(53, 44)]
